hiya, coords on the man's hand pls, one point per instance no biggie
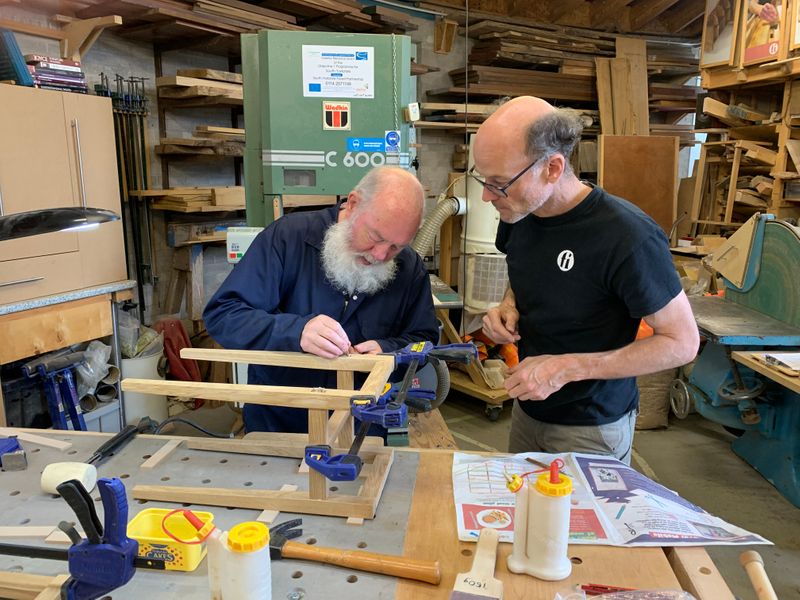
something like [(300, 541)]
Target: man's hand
[(500, 323), (535, 378), (324, 337), (368, 347)]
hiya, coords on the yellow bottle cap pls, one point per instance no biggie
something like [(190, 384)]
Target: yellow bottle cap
[(248, 537), (562, 488)]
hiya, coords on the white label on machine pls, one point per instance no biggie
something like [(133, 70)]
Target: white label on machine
[(338, 71)]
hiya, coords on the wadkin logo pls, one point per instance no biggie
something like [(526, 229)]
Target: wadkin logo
[(565, 260)]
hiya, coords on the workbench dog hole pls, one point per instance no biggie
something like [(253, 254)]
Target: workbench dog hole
[(264, 463), (309, 541), (352, 579), (124, 476), (248, 483), (206, 481), (35, 450), (14, 493), (297, 575), (72, 452), (24, 521), (705, 570), (334, 488), (165, 479), (362, 544), (185, 459), (223, 461), (466, 552), (575, 560), (146, 456)]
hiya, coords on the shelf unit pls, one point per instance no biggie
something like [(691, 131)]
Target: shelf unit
[(748, 147)]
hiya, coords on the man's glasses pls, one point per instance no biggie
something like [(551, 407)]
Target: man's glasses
[(501, 190)]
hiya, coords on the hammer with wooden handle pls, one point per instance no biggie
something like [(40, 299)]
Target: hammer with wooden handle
[(754, 565), (386, 564)]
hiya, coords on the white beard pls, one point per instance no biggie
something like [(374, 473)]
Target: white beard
[(343, 269)]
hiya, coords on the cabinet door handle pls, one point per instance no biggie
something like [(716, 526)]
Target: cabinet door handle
[(19, 281), (76, 130)]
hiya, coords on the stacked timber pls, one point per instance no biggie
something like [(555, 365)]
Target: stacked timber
[(520, 82), (199, 87)]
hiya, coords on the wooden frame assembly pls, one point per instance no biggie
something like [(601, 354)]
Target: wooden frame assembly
[(335, 430)]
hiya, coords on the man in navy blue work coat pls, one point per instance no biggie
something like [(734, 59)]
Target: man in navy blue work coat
[(329, 282)]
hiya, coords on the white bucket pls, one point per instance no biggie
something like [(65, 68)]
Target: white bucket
[(138, 405)]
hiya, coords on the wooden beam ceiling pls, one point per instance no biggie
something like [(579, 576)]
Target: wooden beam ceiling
[(645, 11), (609, 14), (681, 16)]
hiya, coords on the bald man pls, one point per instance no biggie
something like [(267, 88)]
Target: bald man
[(584, 267), (330, 282)]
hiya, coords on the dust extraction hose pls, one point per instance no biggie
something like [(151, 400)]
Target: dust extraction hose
[(448, 207)]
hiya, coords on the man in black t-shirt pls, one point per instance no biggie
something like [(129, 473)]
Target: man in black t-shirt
[(584, 268)]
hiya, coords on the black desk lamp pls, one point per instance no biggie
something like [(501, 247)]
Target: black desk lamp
[(50, 220)]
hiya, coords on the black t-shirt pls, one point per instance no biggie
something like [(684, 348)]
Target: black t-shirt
[(582, 281)]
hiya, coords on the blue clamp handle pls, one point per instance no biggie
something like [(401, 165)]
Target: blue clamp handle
[(342, 467), (99, 568)]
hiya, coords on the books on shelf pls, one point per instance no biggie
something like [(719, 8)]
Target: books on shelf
[(53, 73)]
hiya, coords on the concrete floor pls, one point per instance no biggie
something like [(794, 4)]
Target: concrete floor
[(692, 457)]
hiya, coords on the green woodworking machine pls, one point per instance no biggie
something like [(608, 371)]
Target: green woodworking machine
[(321, 109)]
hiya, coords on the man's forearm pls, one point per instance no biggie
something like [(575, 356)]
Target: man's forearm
[(641, 357)]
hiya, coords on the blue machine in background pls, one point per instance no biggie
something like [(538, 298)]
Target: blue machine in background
[(760, 312)]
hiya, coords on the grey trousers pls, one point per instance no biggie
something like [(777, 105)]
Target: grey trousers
[(530, 435)]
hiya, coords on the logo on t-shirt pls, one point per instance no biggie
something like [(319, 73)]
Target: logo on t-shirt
[(565, 260)]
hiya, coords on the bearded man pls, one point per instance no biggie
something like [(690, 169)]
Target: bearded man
[(331, 282)]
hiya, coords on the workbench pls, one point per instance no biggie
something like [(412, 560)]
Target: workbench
[(416, 518), (33, 327)]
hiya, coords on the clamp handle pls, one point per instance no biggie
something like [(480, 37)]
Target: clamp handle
[(115, 507), (82, 505)]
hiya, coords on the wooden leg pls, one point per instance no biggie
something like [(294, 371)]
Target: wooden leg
[(317, 434), (737, 160)]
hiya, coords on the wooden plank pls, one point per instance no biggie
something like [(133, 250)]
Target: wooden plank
[(39, 330), (621, 96), (429, 430), (635, 51), (36, 439), (623, 159), (318, 435), (265, 395), (31, 587), (177, 80), (290, 445), (353, 362), (214, 74), (719, 110), (793, 148), (161, 454), (737, 161), (206, 129), (295, 502), (605, 95), (698, 574), (270, 516)]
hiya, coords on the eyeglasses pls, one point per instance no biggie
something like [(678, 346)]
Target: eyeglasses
[(501, 190)]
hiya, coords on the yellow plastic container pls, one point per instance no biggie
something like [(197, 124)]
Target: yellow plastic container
[(145, 528)]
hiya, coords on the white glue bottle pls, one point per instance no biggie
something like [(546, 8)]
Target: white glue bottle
[(541, 526), (238, 563)]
